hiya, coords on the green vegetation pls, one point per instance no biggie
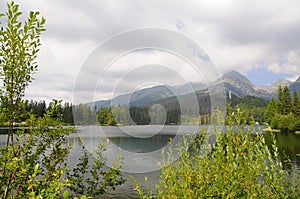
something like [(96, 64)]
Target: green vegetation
[(25, 169), (33, 161), (139, 115), (239, 165), (85, 177), (19, 47), (84, 114), (36, 109), (253, 107), (283, 114), (107, 117)]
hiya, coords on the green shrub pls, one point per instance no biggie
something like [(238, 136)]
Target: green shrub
[(93, 178), (33, 162), (294, 124), (239, 165), (33, 166)]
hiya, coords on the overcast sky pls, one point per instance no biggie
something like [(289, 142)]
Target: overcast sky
[(252, 37)]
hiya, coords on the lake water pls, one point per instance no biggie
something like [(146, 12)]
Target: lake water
[(142, 146)]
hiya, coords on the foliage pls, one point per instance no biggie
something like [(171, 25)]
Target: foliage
[(119, 115), (105, 116), (95, 179), (38, 109), (283, 114), (239, 165), (19, 47), (140, 115), (296, 104), (84, 114), (34, 166), (33, 162), (270, 111), (280, 100), (253, 107), (286, 101)]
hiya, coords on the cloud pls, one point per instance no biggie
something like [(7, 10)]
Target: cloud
[(239, 35)]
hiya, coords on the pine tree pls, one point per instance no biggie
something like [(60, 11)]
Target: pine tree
[(280, 100), (296, 104), (41, 108), (270, 111), (67, 114), (287, 101)]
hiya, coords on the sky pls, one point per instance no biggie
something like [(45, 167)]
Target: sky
[(253, 37)]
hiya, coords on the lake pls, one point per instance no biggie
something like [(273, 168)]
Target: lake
[(142, 146)]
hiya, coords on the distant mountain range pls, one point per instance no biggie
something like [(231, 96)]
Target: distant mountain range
[(233, 82)]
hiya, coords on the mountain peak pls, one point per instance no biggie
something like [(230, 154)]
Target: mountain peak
[(236, 77), (298, 79), (281, 81)]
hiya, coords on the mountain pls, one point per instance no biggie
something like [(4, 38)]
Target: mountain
[(137, 98), (189, 87), (295, 86), (236, 78), (273, 88), (148, 95), (232, 81), (239, 85)]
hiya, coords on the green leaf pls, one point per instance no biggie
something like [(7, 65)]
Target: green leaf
[(66, 195)]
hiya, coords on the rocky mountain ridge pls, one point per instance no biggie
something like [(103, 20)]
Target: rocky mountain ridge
[(233, 82)]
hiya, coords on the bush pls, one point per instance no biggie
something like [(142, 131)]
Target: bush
[(294, 125), (33, 162), (275, 121), (33, 166), (94, 179), (239, 165), (285, 121)]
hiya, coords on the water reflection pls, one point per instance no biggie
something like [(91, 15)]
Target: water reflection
[(288, 146), (142, 145)]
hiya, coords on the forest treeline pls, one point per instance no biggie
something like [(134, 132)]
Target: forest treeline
[(140, 115), (284, 112), (253, 108), (38, 109), (160, 112), (281, 113), (167, 113)]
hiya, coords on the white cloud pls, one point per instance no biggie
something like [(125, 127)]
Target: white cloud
[(236, 35)]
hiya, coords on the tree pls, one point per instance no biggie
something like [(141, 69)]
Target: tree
[(270, 111), (67, 114), (286, 101), (296, 104), (285, 122), (18, 52), (105, 116), (34, 165), (280, 100), (41, 108)]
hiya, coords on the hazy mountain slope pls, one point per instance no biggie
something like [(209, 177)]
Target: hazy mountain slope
[(232, 81), (148, 95)]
